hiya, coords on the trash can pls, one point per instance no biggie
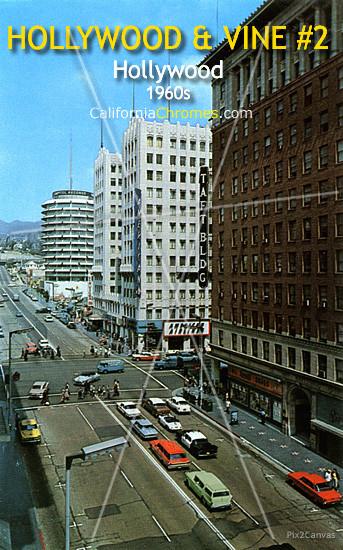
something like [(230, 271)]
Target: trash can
[(234, 417), (207, 405)]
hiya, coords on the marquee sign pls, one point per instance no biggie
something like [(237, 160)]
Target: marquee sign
[(186, 328)]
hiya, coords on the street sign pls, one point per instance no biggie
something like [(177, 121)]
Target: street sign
[(186, 328)]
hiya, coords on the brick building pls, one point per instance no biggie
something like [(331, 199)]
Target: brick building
[(277, 299)]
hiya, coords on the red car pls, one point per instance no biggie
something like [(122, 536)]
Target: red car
[(170, 454), (146, 356), (314, 487), (31, 348)]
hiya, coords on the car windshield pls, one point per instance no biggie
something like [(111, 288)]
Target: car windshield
[(221, 494), (323, 487), (177, 456), (30, 427), (131, 406), (37, 386)]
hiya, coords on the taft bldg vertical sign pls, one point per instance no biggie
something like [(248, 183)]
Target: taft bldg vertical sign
[(137, 241), (203, 227)]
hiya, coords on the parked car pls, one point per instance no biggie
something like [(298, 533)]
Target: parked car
[(48, 318), (87, 376), (2, 333), (197, 443), (170, 454), (18, 314), (156, 406), (31, 348), (34, 298), (314, 487), (177, 362), (38, 389), (128, 409), (179, 405), (146, 356), (144, 428), (28, 430), (210, 489), (170, 422), (4, 295), (113, 365)]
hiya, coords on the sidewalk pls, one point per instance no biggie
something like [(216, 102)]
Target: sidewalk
[(287, 452)]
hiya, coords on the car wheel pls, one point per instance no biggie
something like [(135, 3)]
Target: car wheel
[(105, 371)]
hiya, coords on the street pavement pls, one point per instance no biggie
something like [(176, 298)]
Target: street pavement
[(287, 452)]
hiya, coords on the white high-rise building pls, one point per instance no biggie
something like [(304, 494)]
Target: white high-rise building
[(160, 234), (67, 238), (107, 239)]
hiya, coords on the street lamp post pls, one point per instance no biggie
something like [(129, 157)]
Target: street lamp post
[(201, 357), (92, 450), (10, 334)]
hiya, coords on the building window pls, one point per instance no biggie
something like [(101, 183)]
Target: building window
[(255, 150), (307, 191), (267, 146), (323, 156), (254, 347), (244, 344), (266, 175), (307, 262), (278, 354), (324, 86), (150, 141), (293, 134), (324, 121), (256, 122), (266, 263), (278, 262), (278, 232), (339, 333), (254, 263), (323, 261), (322, 366), (339, 370), (306, 361), (308, 128), (307, 328), (293, 102), (339, 188), (159, 142), (307, 233), (307, 162), (324, 226), (279, 139), (292, 262), (340, 115), (265, 347), (245, 183), (279, 170), (324, 191), (255, 179), (340, 78), (279, 108), (267, 116), (307, 95), (266, 320), (291, 358), (291, 295), (234, 341), (292, 167), (245, 155), (339, 151), (278, 202), (292, 230), (234, 187), (322, 331), (149, 175), (254, 207)]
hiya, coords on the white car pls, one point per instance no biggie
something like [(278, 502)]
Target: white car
[(169, 422), (48, 318), (44, 344), (84, 377), (128, 409), (38, 389), (179, 405)]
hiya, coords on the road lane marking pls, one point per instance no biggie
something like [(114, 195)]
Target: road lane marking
[(195, 464), (85, 418), (245, 512), (198, 512), (161, 528), (146, 373), (126, 478)]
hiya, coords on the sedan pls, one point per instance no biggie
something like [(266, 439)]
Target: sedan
[(315, 488), (38, 389), (48, 318), (128, 409), (86, 377), (144, 428), (2, 333), (170, 422), (31, 348), (19, 314), (179, 405), (146, 356), (156, 406)]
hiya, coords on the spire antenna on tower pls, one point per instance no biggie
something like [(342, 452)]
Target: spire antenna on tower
[(71, 162), (101, 134)]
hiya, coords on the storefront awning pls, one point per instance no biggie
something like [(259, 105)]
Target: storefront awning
[(96, 317), (327, 427)]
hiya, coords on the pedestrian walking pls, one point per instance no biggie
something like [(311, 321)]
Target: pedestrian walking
[(92, 350), (63, 397), (335, 478), (227, 405), (103, 392), (92, 390), (25, 355), (22, 353), (80, 394), (108, 392), (87, 387), (327, 475), (52, 354), (262, 416), (58, 352)]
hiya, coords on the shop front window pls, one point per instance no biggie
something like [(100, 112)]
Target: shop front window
[(259, 401), (239, 393)]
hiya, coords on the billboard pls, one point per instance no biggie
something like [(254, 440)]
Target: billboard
[(186, 328)]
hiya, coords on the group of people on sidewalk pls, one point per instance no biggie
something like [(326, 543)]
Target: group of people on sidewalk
[(101, 391), (332, 477)]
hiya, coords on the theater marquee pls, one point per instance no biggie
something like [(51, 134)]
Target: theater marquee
[(186, 328)]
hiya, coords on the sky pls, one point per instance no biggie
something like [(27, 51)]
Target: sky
[(45, 96)]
